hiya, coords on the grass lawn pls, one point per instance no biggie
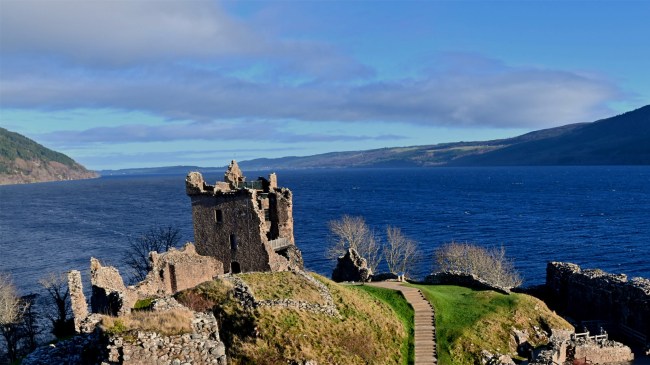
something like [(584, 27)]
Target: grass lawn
[(404, 312), (468, 321)]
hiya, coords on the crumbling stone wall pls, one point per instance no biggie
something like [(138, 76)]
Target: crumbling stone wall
[(171, 272), (202, 346), (77, 298), (594, 294), (595, 351), (109, 294), (177, 270), (236, 221)]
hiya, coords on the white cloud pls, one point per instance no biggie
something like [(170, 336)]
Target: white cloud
[(106, 31), (508, 97), (191, 60)]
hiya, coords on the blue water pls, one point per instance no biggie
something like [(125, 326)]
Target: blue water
[(593, 216)]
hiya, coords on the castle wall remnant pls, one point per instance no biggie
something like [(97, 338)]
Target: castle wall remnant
[(248, 226), (597, 295), (172, 271)]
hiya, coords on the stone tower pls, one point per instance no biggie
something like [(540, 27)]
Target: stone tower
[(248, 226)]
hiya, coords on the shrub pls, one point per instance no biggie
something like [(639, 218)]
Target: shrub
[(490, 265), (173, 322)]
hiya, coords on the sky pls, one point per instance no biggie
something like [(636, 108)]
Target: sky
[(147, 83)]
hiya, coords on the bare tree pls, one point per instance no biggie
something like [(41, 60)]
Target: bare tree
[(11, 314), (58, 303), (159, 239), (400, 251), (353, 232), (30, 324), (491, 265)]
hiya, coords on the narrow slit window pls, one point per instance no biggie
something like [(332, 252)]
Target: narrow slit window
[(233, 242), (218, 216)]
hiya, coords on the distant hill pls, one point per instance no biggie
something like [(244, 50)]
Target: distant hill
[(619, 140), (24, 161)]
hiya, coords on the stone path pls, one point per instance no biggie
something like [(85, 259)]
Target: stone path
[(425, 331)]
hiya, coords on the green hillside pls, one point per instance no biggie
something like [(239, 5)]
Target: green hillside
[(22, 160)]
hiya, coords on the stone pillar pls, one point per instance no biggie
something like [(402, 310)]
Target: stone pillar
[(77, 298), (273, 181)]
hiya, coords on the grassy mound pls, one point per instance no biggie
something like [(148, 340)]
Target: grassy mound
[(281, 285), (367, 332), (468, 321)]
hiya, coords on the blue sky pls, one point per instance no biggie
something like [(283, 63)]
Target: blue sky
[(119, 84)]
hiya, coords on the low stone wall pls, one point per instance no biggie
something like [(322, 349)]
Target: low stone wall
[(202, 347), (608, 352), (462, 279), (595, 351), (597, 295)]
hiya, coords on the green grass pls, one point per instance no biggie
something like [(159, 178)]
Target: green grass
[(403, 311), (468, 321), (281, 285), (143, 304), (367, 331)]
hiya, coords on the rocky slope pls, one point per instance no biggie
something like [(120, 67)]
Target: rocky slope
[(22, 161)]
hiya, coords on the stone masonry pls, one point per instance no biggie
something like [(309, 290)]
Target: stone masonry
[(597, 295), (171, 272), (248, 226)]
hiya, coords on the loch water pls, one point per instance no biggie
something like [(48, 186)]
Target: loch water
[(598, 217)]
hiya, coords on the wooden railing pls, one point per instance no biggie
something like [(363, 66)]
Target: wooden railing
[(280, 243)]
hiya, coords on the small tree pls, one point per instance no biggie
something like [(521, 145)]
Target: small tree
[(353, 232), (58, 304), (11, 314), (490, 265), (159, 239), (30, 325), (400, 251)]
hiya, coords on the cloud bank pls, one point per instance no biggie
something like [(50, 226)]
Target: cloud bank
[(193, 61)]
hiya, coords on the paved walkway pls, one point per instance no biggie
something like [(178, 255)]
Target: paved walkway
[(425, 331)]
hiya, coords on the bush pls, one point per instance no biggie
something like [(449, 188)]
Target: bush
[(490, 265)]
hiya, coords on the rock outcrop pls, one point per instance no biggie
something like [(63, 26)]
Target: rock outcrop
[(351, 267)]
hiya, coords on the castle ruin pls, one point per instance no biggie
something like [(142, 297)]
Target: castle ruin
[(248, 226)]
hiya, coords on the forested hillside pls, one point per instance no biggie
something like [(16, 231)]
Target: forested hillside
[(22, 160)]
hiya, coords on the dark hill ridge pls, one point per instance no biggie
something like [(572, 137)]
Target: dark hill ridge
[(414, 156), (24, 161), (619, 140)]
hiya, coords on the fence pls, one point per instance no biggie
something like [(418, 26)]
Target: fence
[(280, 243)]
